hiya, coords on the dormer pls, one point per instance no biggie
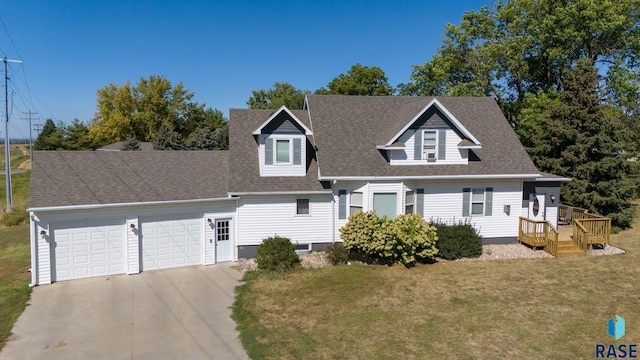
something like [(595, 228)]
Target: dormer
[(282, 144), (432, 137)]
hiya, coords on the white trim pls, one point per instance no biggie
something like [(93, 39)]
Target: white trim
[(446, 112), (469, 147), (434, 177), (33, 235), (323, 192), (385, 147), (258, 131), (113, 205), (561, 179)]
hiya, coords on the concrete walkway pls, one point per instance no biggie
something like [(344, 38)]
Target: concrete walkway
[(169, 314)]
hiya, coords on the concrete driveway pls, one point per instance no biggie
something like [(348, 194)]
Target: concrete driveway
[(168, 314)]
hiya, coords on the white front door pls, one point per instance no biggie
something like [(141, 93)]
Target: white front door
[(224, 240), (537, 206)]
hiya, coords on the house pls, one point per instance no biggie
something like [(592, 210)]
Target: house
[(295, 173)]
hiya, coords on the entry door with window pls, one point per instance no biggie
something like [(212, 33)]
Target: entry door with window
[(537, 206), (224, 240)]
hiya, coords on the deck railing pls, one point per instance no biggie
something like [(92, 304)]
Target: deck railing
[(538, 233), (593, 230), (588, 229), (567, 213)]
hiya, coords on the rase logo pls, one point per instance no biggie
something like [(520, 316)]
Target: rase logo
[(615, 329)]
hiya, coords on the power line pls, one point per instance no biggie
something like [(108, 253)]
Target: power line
[(7, 144)]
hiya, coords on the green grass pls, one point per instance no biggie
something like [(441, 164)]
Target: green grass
[(14, 277), (533, 309), (20, 187), (19, 154)]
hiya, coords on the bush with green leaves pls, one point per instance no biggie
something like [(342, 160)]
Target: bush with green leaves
[(457, 241), (407, 238), (336, 253), (277, 254)]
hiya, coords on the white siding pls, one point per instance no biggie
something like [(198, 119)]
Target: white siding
[(283, 169), (443, 201), (43, 253), (453, 154), (265, 216), (133, 246)]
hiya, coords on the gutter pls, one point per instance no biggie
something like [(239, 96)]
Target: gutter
[(113, 205), (322, 192), (435, 177)]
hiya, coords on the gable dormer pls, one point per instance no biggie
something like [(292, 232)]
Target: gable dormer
[(433, 136), (282, 144)]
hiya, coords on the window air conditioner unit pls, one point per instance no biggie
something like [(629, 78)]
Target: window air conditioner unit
[(431, 156)]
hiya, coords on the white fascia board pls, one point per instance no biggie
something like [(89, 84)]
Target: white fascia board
[(115, 205), (385, 147), (435, 177), (446, 112), (561, 179), (470, 147), (258, 131), (322, 192)]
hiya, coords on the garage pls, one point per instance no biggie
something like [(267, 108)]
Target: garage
[(171, 242), (87, 249)]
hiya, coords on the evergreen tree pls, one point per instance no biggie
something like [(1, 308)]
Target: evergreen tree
[(131, 144), (579, 137)]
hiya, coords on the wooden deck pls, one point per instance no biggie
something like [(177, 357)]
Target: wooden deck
[(578, 231)]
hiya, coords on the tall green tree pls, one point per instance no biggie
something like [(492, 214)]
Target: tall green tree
[(577, 136), (359, 80), (523, 47), (281, 93), (148, 110), (51, 137)]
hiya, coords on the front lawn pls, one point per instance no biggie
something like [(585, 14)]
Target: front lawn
[(527, 309), (14, 276)]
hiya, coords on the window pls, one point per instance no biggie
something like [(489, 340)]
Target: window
[(385, 204), (429, 145), (408, 203), (477, 201), (302, 207), (222, 230), (355, 202), (282, 152)]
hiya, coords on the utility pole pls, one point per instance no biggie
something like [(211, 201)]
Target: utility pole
[(7, 151), (29, 117), (37, 128)]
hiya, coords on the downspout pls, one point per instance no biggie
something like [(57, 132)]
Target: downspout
[(34, 251), (333, 218)]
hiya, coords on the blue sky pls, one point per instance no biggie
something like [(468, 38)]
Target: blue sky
[(220, 50)]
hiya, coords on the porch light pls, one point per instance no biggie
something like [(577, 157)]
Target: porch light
[(209, 221), (133, 227), (43, 233), (553, 198)]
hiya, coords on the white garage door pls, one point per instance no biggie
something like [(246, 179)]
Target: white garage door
[(168, 243), (87, 249)]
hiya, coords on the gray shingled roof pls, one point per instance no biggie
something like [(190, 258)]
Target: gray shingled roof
[(117, 146), (62, 178), (243, 150), (348, 128)]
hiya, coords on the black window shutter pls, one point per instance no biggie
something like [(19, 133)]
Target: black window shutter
[(466, 201), (417, 145), (268, 151), (419, 202), (488, 202), (297, 151), (342, 204), (442, 144)]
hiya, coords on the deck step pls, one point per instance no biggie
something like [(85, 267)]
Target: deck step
[(568, 248)]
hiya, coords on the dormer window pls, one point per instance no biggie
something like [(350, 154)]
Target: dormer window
[(430, 145)]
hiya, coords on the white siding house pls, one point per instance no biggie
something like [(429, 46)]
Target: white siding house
[(292, 173)]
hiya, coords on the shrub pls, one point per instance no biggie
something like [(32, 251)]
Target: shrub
[(277, 254), (337, 253), (457, 241), (407, 238)]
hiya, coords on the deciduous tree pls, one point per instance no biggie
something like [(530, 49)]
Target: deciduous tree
[(359, 80)]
